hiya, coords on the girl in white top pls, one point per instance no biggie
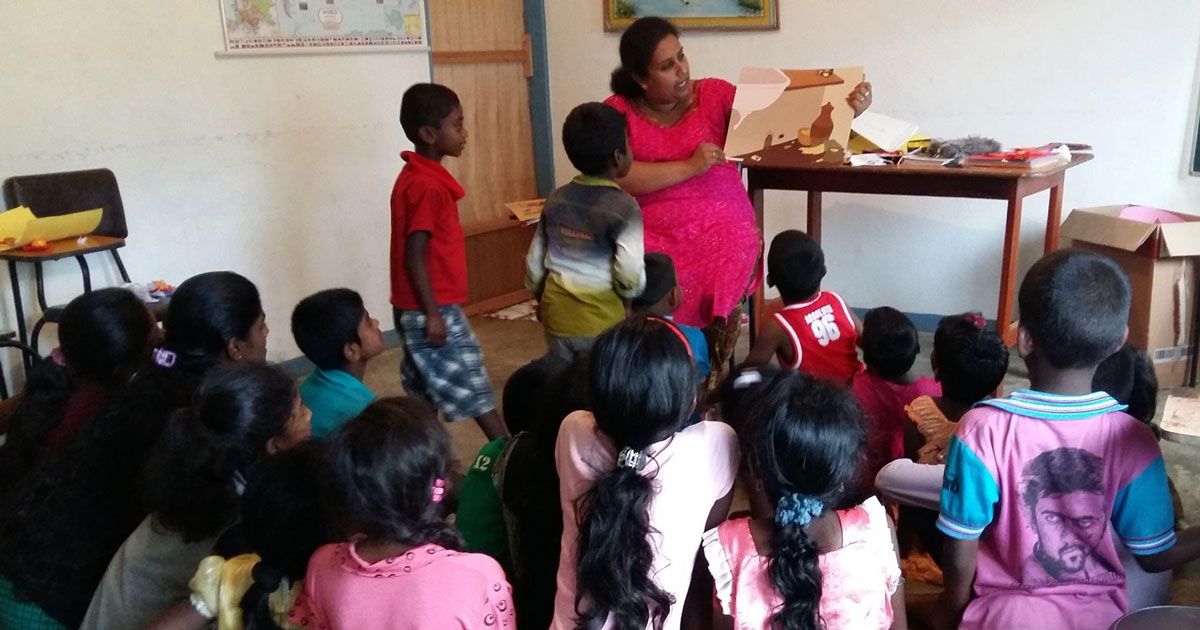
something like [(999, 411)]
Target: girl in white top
[(638, 491)]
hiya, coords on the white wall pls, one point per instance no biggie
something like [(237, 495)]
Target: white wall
[(1119, 75), (279, 168)]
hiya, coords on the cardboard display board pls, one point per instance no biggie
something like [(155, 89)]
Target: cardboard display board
[(791, 117)]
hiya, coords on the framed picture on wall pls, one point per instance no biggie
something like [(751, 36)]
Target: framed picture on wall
[(700, 15)]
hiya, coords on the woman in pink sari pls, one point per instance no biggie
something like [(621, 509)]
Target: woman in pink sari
[(693, 202)]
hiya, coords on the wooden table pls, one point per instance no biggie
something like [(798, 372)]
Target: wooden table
[(923, 181), (65, 248)]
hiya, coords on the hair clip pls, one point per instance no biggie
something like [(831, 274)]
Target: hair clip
[(165, 358), (631, 458), (747, 378), (798, 509), (57, 356), (976, 319), (439, 490)]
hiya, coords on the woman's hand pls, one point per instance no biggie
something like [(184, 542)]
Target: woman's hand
[(706, 156), (860, 98)]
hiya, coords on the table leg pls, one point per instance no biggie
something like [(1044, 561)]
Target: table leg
[(22, 335), (757, 300), (814, 215), (1008, 271), (1054, 218)]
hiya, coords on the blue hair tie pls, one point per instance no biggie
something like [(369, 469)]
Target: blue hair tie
[(798, 509)]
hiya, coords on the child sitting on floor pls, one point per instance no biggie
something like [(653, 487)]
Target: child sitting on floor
[(105, 337), (402, 568), (480, 516), (284, 520), (443, 363), (586, 255), (1039, 485), (890, 347), (335, 332), (637, 489), (661, 297), (805, 562), (815, 332)]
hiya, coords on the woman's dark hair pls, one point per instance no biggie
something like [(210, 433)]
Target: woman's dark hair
[(638, 43), (969, 358), (284, 520), (105, 337), (385, 462), (642, 388), (1128, 376), (63, 522), (191, 475), (206, 312), (889, 342), (803, 437)]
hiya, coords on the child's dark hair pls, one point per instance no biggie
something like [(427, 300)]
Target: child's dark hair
[(207, 311), (660, 279), (969, 358), (190, 477), (796, 265), (1075, 306), (385, 464), (425, 105), (105, 337), (638, 44), (324, 322), (71, 513), (615, 557), (592, 134), (1128, 376), (742, 388), (889, 342), (284, 520), (804, 441), (528, 390)]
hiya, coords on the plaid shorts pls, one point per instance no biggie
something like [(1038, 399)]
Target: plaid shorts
[(451, 377)]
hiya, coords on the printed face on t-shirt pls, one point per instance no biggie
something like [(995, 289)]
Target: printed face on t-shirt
[(1069, 528)]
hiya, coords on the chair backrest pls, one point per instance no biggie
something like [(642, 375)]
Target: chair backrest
[(53, 194)]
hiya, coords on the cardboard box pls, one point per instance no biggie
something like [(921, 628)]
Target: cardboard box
[(1161, 260)]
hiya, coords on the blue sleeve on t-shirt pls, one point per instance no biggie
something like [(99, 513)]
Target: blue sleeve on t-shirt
[(969, 494), (1143, 514), (695, 338)]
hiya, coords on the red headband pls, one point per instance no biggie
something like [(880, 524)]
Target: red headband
[(678, 333)]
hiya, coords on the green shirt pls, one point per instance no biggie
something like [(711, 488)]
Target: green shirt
[(480, 517)]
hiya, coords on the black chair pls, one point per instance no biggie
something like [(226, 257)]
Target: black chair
[(54, 194), (29, 356)]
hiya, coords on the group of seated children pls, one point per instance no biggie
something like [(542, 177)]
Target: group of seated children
[(175, 481)]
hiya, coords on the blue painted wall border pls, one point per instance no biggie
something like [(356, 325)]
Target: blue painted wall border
[(539, 97)]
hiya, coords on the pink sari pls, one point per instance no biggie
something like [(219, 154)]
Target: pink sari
[(705, 224)]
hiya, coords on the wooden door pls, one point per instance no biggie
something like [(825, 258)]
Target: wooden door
[(481, 51)]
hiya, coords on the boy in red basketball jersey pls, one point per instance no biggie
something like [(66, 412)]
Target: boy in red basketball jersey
[(815, 332)]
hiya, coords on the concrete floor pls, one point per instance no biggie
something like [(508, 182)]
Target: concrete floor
[(509, 344)]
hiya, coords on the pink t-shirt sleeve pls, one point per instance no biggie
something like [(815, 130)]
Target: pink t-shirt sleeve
[(498, 610), (306, 611)]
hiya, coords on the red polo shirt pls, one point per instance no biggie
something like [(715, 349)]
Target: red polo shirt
[(424, 199)]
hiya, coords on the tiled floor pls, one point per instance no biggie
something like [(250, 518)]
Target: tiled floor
[(509, 344)]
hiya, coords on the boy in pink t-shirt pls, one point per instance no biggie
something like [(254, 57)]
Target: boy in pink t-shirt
[(890, 347), (1037, 484)]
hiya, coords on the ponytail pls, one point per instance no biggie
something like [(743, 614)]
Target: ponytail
[(804, 443), (615, 559), (256, 603), (623, 84)]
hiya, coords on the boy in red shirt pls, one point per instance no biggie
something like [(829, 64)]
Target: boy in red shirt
[(815, 332), (443, 362)]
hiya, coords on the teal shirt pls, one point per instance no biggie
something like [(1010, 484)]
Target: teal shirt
[(334, 396)]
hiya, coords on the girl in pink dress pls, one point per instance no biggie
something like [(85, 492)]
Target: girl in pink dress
[(694, 206), (798, 563), (403, 568)]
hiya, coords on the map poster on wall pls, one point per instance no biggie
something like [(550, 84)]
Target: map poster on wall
[(281, 26)]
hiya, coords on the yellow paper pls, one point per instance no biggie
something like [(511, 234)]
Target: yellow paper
[(12, 225), (526, 212), (24, 228)]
